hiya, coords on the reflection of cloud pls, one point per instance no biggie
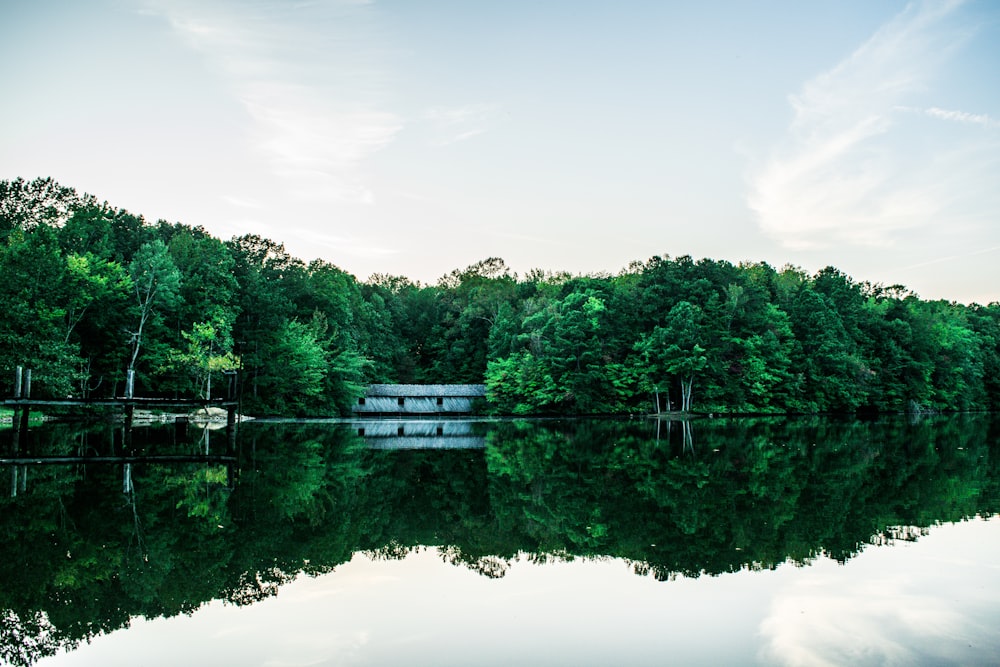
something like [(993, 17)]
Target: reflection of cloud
[(848, 172), (868, 623), (296, 69), (931, 602)]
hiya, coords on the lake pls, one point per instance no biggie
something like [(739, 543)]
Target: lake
[(551, 542)]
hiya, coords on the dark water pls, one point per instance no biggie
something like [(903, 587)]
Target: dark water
[(555, 542)]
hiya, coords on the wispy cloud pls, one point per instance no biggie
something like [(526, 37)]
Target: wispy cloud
[(849, 169), (346, 245), (241, 202), (454, 124), (963, 117), (948, 258), (307, 78)]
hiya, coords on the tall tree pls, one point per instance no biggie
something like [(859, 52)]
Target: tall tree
[(34, 279), (156, 282), (673, 353)]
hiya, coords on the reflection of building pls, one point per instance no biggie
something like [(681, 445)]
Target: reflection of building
[(420, 399), (419, 434)]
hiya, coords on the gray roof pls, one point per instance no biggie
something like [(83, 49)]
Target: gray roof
[(428, 390)]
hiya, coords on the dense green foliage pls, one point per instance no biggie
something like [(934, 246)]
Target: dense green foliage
[(83, 556), (89, 291)]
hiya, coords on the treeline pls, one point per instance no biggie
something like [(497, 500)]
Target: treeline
[(89, 292)]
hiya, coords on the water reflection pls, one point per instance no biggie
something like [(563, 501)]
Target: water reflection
[(90, 547), (421, 433), (933, 604)]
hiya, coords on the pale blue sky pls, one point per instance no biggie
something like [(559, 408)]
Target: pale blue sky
[(414, 138)]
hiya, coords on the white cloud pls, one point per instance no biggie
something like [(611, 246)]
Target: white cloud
[(454, 124), (314, 145), (849, 171), (962, 117), (241, 202), (304, 75), (345, 245)]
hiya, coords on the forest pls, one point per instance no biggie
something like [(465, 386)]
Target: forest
[(90, 292)]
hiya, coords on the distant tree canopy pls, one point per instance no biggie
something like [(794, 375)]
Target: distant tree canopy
[(89, 291)]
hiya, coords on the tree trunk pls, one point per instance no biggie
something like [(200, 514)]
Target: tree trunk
[(686, 387)]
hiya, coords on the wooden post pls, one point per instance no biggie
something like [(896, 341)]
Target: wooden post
[(18, 480), (129, 412), (180, 428), (22, 419), (127, 487), (15, 420), (127, 430)]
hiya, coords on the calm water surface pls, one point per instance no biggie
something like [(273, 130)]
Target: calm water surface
[(803, 542)]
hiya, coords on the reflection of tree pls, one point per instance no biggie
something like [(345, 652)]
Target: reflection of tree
[(748, 494), (756, 495), (25, 640)]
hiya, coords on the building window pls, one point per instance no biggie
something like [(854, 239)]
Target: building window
[(440, 430), (361, 431), (440, 401), (399, 431), (400, 401), (361, 401)]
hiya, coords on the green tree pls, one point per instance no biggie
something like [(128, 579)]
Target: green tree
[(155, 283), (36, 285), (293, 376), (208, 354), (673, 353), (264, 272), (25, 205), (832, 375), (470, 304), (563, 366)]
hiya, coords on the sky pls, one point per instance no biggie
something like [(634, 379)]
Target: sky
[(415, 138)]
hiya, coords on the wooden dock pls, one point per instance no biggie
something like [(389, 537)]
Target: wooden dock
[(22, 404), (122, 402)]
